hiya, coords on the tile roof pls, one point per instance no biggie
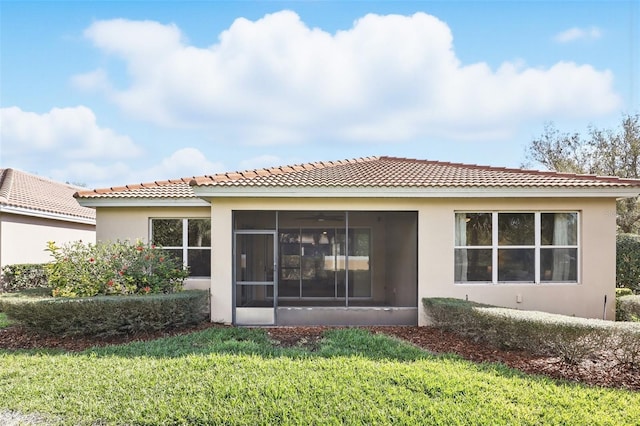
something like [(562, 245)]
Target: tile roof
[(172, 188), (371, 172), (40, 195), (403, 172)]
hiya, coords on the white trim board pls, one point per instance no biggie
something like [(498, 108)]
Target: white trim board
[(46, 215), (413, 192)]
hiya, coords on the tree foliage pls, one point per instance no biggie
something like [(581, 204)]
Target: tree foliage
[(605, 152)]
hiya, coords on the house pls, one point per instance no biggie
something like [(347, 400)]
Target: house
[(34, 210), (363, 241)]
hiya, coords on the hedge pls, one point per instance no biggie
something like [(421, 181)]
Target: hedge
[(628, 261), (573, 339), (23, 276), (628, 308), (107, 315)]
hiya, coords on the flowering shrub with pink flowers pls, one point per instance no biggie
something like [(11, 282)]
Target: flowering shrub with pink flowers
[(114, 268)]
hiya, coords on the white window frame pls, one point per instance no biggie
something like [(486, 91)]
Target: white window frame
[(185, 239), (537, 246)]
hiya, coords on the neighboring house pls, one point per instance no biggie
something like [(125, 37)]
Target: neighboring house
[(35, 210), (363, 241)]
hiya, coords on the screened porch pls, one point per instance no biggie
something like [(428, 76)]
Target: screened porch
[(325, 268)]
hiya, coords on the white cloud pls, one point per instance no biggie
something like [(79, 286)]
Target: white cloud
[(388, 78), (62, 133), (66, 144), (575, 33), (260, 162), (94, 80), (182, 163), (91, 174)]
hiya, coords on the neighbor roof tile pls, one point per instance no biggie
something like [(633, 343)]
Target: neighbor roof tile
[(30, 192)]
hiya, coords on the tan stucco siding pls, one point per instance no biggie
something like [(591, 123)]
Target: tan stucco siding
[(596, 252), (436, 251), (435, 267), (221, 263), (23, 239), (132, 224)]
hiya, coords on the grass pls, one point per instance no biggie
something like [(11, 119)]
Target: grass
[(4, 321), (237, 376)]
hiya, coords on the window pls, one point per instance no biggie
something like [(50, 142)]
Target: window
[(187, 239), (473, 247), (525, 247), (559, 247)]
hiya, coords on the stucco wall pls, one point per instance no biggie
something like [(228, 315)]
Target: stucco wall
[(596, 251), (435, 248), (23, 239), (436, 253), (132, 224)]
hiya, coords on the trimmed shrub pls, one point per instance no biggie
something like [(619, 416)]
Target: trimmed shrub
[(626, 344), (620, 316), (629, 308), (117, 268), (107, 315), (23, 276), (573, 339), (628, 261), (452, 314)]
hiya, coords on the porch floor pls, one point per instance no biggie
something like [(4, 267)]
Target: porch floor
[(346, 316), (339, 303)]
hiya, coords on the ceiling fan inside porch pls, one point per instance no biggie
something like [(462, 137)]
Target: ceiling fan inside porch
[(321, 217)]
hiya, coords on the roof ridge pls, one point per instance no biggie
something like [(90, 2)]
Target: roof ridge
[(133, 186), (227, 176), (43, 178), (514, 169), (277, 170), (6, 182)]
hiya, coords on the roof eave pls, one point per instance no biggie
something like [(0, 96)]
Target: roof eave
[(46, 215), (413, 192), (142, 202)]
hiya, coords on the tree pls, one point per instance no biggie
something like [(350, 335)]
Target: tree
[(607, 152), (562, 152)]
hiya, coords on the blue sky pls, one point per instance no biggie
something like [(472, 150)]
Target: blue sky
[(113, 92)]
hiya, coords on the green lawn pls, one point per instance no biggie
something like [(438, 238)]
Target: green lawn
[(4, 322), (236, 376)]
